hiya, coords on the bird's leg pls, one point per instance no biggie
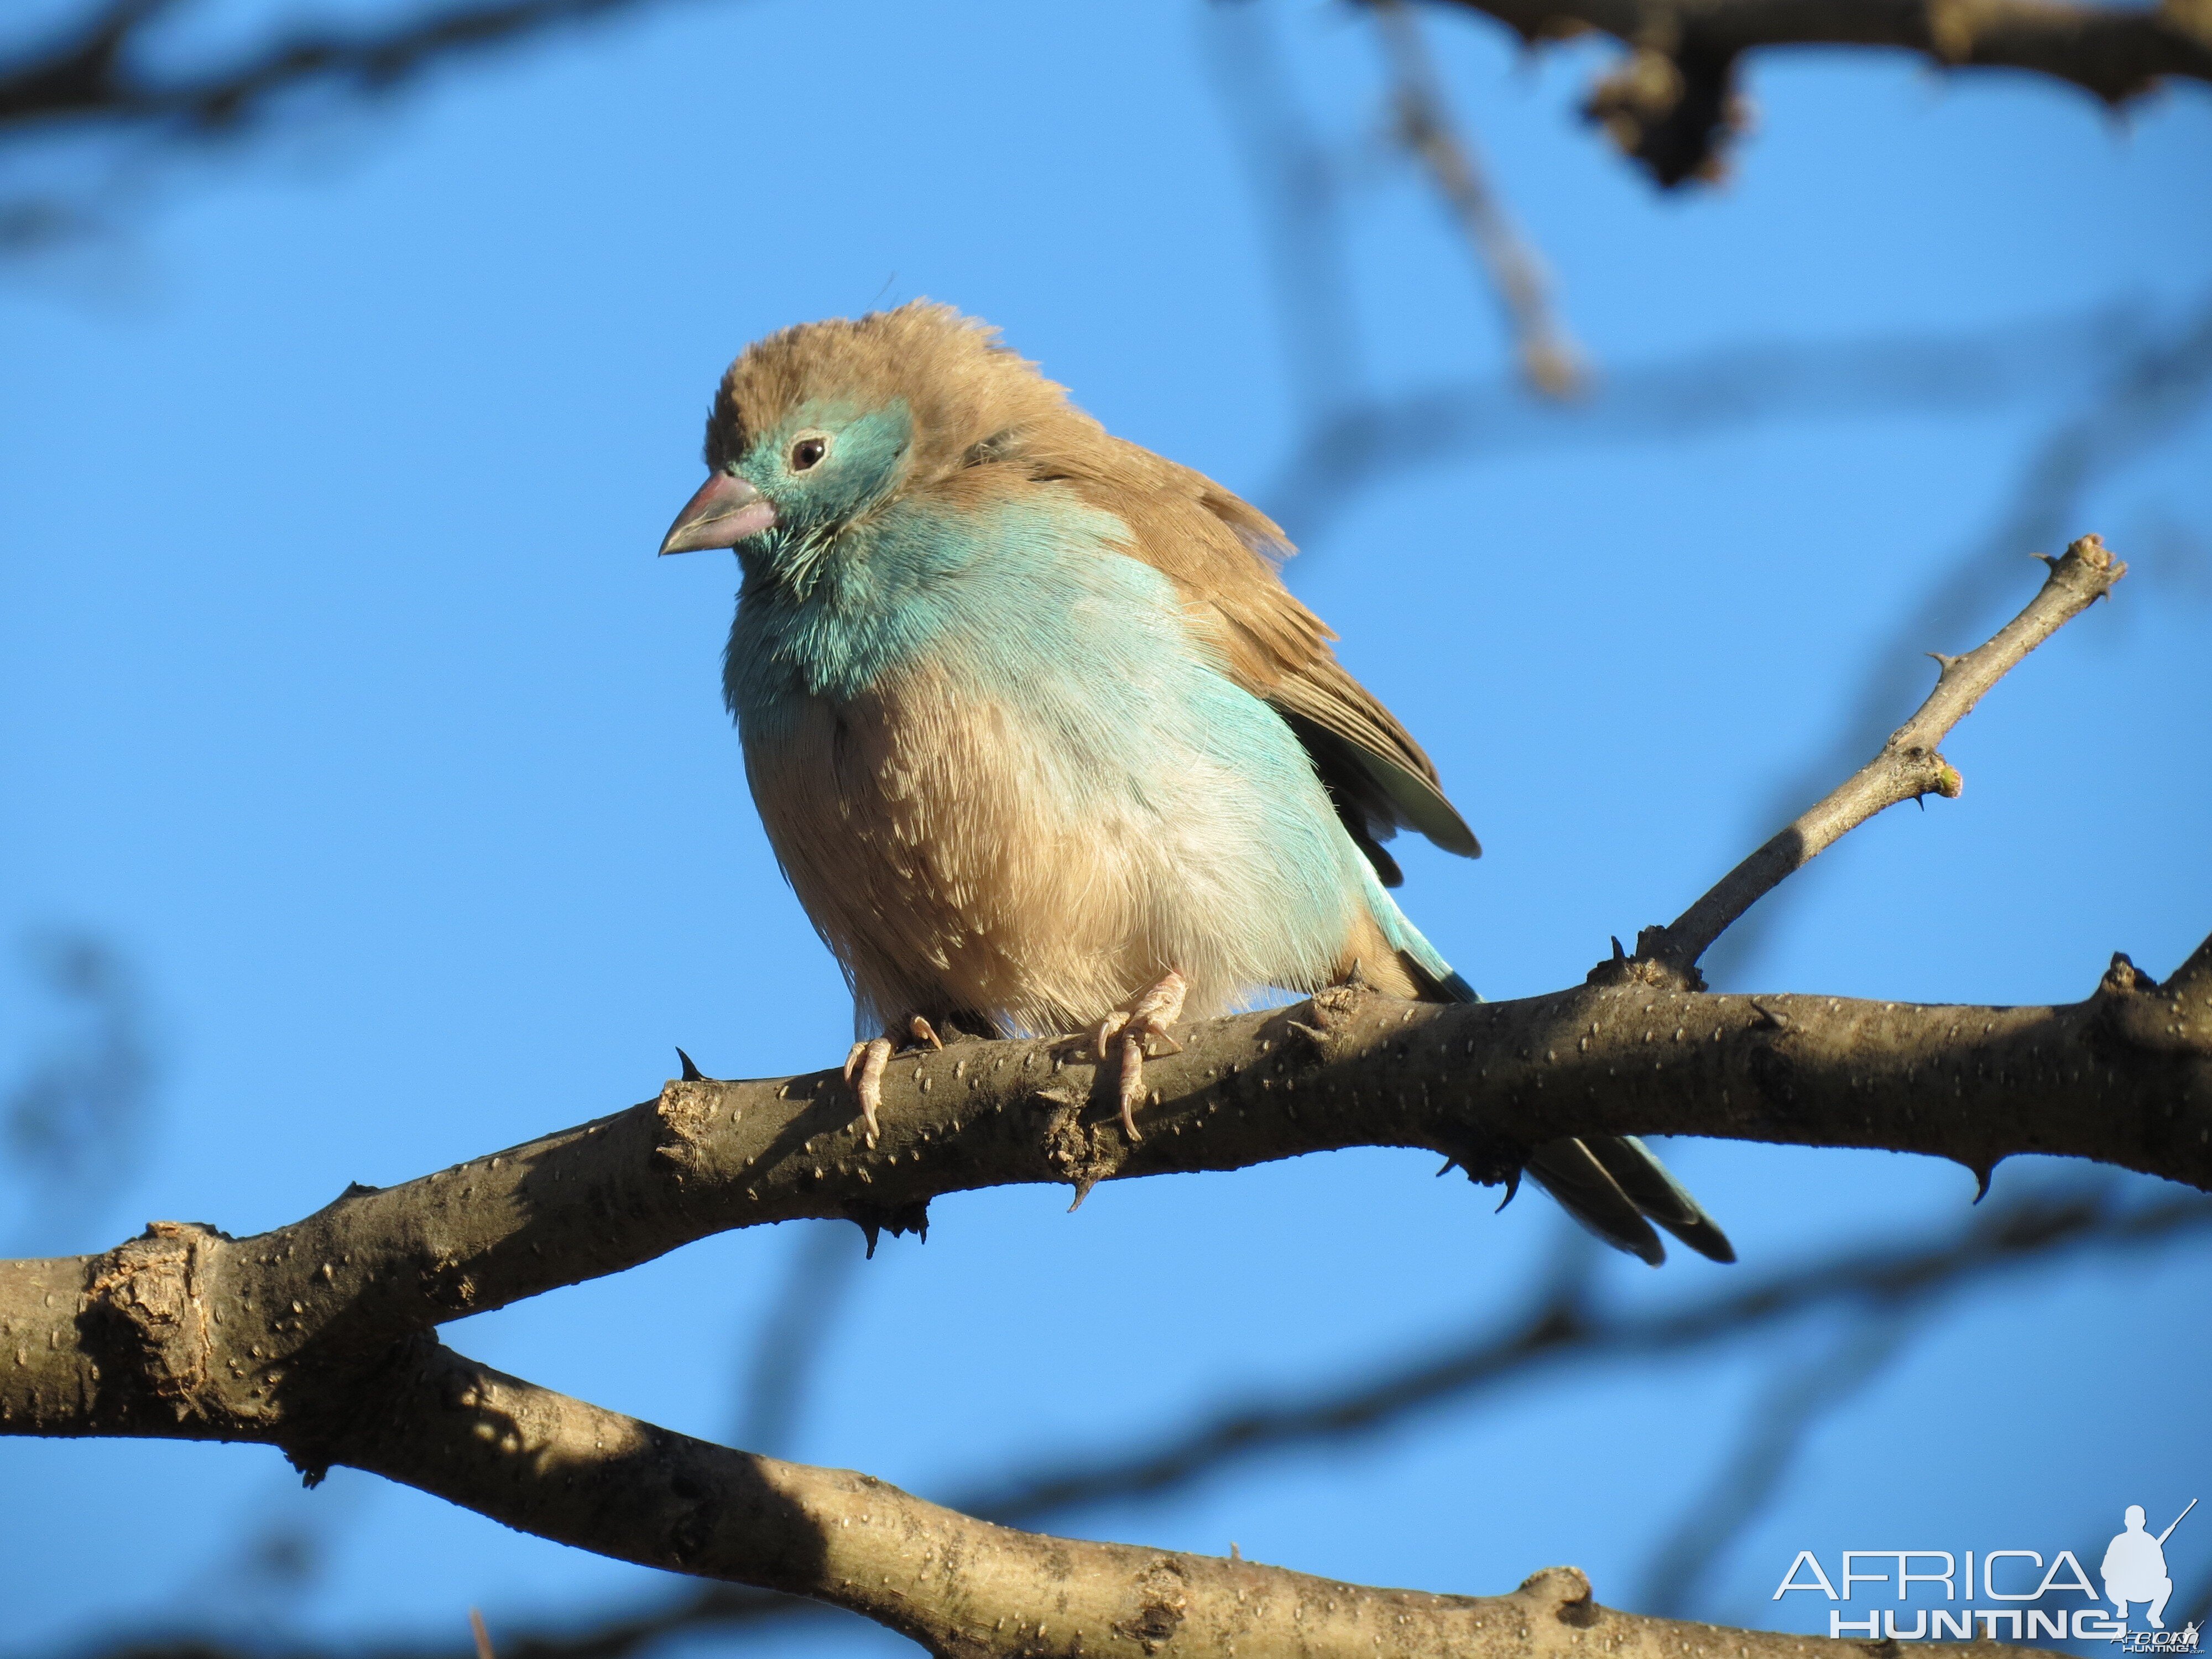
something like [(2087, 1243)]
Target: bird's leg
[(1148, 1014), (868, 1059)]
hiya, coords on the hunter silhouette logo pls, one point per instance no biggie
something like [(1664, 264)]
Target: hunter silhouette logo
[(2133, 1571)]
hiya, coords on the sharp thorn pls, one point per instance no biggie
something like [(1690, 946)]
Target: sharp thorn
[(691, 1072)]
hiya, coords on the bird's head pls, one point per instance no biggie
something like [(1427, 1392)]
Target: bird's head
[(819, 426)]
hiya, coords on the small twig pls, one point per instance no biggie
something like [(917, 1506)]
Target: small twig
[(485, 1650), (1549, 356), (2146, 390), (1907, 767)]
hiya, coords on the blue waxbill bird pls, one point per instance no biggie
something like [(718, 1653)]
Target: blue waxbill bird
[(1039, 736)]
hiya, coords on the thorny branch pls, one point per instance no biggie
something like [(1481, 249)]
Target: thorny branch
[(566, 1470), (1563, 1326), (315, 1337), (2155, 385), (1908, 767), (1672, 105)]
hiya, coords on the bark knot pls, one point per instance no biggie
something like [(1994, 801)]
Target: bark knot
[(1079, 1154), (685, 1110), (1163, 1603), (1567, 1591), (1659, 962), (2135, 1011), (146, 1309)]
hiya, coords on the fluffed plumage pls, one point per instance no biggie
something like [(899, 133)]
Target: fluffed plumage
[(1035, 728)]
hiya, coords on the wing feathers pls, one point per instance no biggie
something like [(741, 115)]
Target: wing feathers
[(1221, 552)]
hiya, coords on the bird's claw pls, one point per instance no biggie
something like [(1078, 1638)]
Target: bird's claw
[(864, 1070), (864, 1067), (1148, 1014)]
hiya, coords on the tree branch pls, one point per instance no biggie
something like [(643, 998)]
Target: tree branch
[(1560, 1327), (1671, 106), (561, 1470), (1907, 767), (2124, 1078), (1548, 357), (2147, 390), (88, 73)]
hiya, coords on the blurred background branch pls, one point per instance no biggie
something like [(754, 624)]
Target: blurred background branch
[(788, 1347), (1424, 124), (97, 73), (96, 68), (75, 1120), (1672, 104), (1733, 388), (1667, 106)]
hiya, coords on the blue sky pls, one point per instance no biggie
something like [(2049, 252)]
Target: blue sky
[(340, 690)]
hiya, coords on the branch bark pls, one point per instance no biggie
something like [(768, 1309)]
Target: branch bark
[(1561, 1326), (1672, 106), (2123, 1077), (563, 1470)]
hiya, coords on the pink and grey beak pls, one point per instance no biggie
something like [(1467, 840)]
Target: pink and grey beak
[(725, 512)]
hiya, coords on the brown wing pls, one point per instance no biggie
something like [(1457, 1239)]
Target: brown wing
[(1221, 553)]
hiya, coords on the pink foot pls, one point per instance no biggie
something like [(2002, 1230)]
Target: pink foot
[(868, 1059), (1148, 1014)]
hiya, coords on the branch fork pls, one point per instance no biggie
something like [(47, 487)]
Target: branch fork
[(1909, 767)]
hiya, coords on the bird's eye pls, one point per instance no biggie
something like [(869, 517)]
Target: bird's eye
[(807, 452)]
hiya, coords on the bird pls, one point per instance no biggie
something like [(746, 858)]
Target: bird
[(1040, 739)]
